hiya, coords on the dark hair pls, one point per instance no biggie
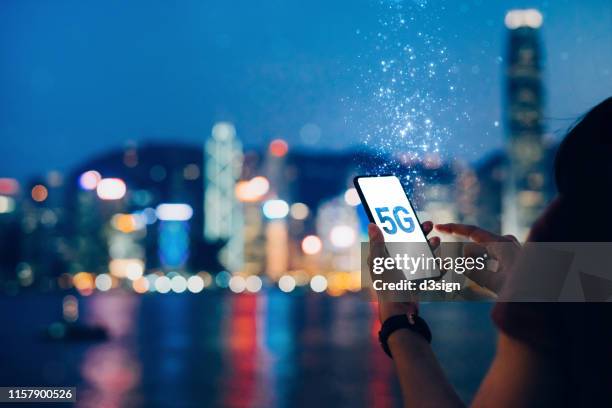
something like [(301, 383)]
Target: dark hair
[(583, 164)]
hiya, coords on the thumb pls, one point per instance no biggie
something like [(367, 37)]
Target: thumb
[(375, 233)]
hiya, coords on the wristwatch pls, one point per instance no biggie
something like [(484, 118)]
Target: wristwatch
[(401, 322)]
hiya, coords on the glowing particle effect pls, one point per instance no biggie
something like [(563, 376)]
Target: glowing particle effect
[(408, 89)]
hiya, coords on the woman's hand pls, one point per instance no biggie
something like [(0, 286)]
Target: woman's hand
[(387, 309), (502, 248)]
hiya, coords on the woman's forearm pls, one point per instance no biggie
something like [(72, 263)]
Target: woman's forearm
[(421, 378)]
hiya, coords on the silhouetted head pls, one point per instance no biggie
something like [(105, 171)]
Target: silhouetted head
[(583, 165), (582, 212)]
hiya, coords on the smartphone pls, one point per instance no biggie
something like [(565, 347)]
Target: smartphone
[(388, 206)]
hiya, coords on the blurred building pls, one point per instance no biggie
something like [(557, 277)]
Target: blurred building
[(134, 208), (223, 211), (10, 229), (525, 188), (491, 173)]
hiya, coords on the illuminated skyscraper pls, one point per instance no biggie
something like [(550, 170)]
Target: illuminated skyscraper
[(223, 212), (524, 194)]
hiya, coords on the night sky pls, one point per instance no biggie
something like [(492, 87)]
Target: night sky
[(81, 77)]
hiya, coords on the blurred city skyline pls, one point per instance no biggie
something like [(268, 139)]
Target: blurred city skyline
[(83, 80)]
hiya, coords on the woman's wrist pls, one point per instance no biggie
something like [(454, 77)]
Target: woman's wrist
[(405, 337)]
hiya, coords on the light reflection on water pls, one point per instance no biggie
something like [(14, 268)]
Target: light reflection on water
[(217, 349)]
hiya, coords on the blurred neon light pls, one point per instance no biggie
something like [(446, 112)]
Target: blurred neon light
[(275, 209), (174, 212), (111, 189), (89, 180)]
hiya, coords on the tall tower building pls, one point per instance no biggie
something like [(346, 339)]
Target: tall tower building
[(525, 186), (223, 212)]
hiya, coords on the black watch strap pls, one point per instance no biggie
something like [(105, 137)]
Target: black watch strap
[(401, 322)]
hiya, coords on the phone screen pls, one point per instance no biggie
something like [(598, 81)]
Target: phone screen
[(388, 207)]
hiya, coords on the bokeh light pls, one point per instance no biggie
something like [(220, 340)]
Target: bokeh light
[(39, 193), (252, 190), (141, 285), (111, 189), (222, 279), (299, 211), (311, 245), (237, 284), (342, 236), (254, 283), (128, 223), (531, 18), (84, 283), (178, 284), (275, 209), (278, 148), (351, 197), (89, 180), (104, 282), (162, 284), (195, 284), (174, 212), (318, 283), (286, 283)]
